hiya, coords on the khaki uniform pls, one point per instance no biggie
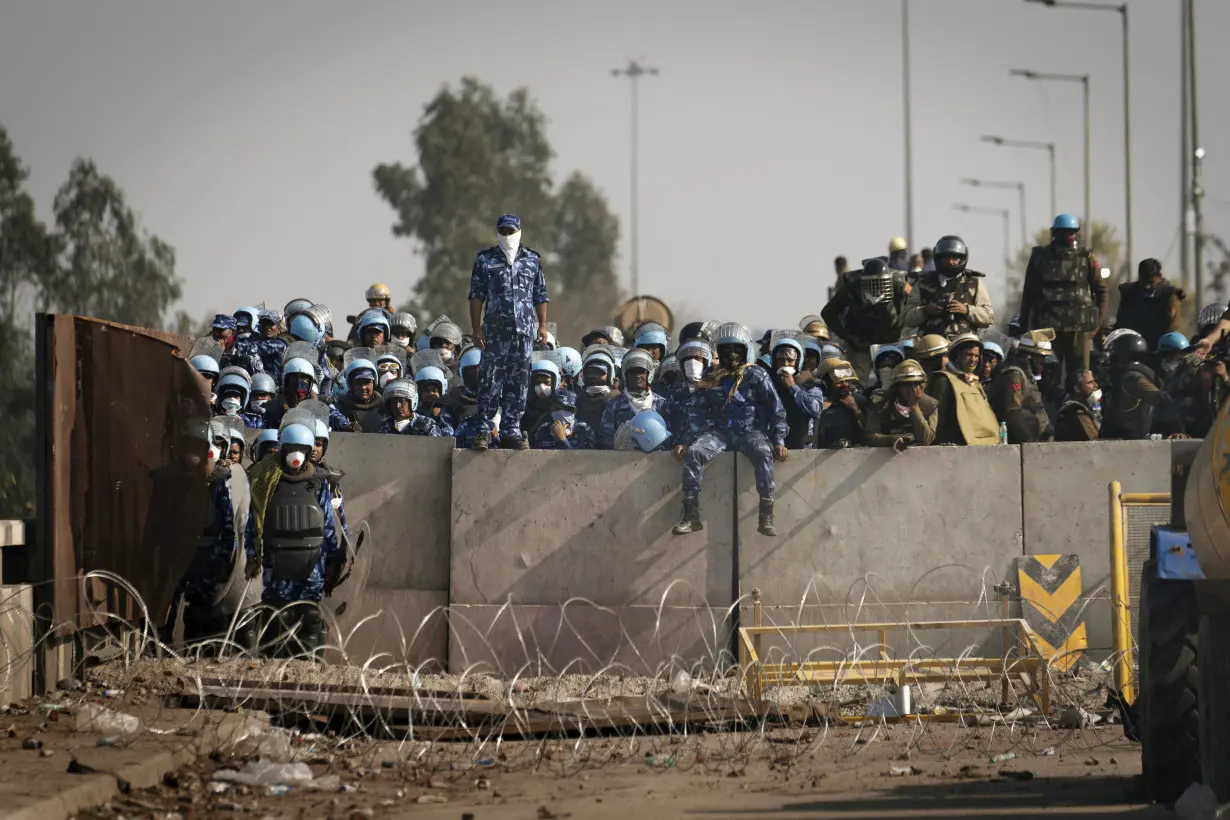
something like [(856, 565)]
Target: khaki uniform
[(970, 291), (885, 424), (964, 415), (1076, 423), (1017, 402)]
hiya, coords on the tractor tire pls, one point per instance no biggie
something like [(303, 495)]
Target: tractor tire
[(1167, 700), (1215, 703)]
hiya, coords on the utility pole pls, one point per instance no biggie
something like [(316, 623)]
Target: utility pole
[(1185, 148), (1049, 147), (634, 71), (1197, 156), (909, 153)]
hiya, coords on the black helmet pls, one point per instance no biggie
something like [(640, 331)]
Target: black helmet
[(1130, 348), (876, 266), (951, 246), (693, 330)]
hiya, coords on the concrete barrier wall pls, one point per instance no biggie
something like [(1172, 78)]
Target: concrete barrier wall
[(532, 530), (401, 486), (545, 558), (1066, 503), (864, 535)]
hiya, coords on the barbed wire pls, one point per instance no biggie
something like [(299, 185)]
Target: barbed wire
[(673, 697)]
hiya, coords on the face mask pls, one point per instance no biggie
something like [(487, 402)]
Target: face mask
[(599, 389), (299, 393), (642, 401), (257, 405), (901, 408), (1096, 396), (842, 390), (401, 424), (294, 459), (387, 377), (214, 454), (542, 390), (509, 244), (786, 371), (401, 341), (231, 406), (692, 369), (446, 355)]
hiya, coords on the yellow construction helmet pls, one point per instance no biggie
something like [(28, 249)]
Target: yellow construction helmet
[(377, 292), (896, 244)]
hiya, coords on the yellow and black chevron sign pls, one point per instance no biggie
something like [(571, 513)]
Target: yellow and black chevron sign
[(1050, 588)]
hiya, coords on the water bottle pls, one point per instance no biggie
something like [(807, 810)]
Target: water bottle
[(1003, 432)]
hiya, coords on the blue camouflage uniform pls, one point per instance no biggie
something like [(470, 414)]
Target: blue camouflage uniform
[(253, 420), (685, 416), (270, 353), (274, 411), (246, 354), (510, 293), (198, 589), (279, 593), (803, 406), (418, 426), (581, 438), (467, 431), (620, 409), (751, 420)]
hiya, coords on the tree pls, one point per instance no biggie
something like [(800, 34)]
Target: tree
[(480, 156), (184, 325), (107, 266), (586, 288), (25, 256)]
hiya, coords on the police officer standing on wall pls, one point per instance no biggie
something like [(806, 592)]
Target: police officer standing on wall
[(508, 280), (1064, 290)]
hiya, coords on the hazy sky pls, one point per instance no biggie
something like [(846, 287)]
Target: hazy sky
[(245, 133)]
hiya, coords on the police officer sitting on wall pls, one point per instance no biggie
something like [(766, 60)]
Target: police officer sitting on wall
[(964, 414), (902, 414), (1014, 392)]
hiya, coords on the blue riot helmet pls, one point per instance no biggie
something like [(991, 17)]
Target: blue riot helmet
[(994, 349), (645, 431), (734, 334), (638, 360), (1064, 230), (390, 363), (233, 389), (572, 361), (305, 328), (246, 318), (296, 306), (264, 388), (1172, 342), (831, 352), (792, 344), (423, 343), (207, 366), (765, 360), (907, 348), (813, 351), (371, 321), (653, 339), (471, 358), (431, 374), (359, 361), (296, 442), (551, 369), (597, 370), (469, 368), (264, 443)]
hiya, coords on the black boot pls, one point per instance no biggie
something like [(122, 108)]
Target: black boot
[(482, 440), (690, 520), (766, 518), (519, 443)]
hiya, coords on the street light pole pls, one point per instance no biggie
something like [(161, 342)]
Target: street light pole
[(1049, 147), (909, 152), (634, 71), (1020, 189), (1122, 10), (1083, 79), (1006, 215), (1197, 184)]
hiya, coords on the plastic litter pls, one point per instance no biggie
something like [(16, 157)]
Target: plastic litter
[(277, 791), (1005, 756), (267, 773), (216, 787), (1077, 718), (94, 718), (1049, 751)]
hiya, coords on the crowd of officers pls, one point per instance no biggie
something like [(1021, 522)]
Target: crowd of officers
[(904, 354)]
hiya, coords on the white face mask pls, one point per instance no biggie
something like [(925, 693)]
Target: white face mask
[(542, 390), (401, 341), (446, 355), (257, 405), (598, 389), (692, 369), (401, 424), (387, 377), (231, 406), (510, 244), (786, 371), (294, 459), (1096, 396), (214, 454)]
